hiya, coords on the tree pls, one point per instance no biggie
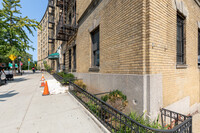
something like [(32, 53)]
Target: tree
[(24, 60), (14, 27)]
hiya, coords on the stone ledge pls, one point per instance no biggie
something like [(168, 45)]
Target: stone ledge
[(181, 66), (94, 69)]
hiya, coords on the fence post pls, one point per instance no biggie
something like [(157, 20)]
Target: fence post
[(190, 125)]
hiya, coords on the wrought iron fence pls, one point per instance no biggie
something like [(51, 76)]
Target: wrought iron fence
[(57, 77), (118, 122)]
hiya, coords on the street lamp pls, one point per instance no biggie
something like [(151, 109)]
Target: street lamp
[(19, 64)]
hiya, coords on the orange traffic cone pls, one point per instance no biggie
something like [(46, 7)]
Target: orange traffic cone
[(46, 90), (42, 84), (42, 79)]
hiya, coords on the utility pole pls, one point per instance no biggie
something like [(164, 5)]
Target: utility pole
[(28, 63), (20, 69)]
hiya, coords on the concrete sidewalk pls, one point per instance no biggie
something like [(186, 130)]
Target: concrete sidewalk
[(196, 123), (23, 109)]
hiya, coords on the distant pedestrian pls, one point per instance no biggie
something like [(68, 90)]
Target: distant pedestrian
[(33, 68), (3, 75)]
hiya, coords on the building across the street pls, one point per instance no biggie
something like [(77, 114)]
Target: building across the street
[(147, 49)]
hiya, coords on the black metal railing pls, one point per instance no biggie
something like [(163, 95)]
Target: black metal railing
[(66, 26), (118, 122), (57, 77)]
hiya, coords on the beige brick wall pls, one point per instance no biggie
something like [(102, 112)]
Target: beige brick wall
[(82, 6), (177, 83), (140, 38), (121, 42)]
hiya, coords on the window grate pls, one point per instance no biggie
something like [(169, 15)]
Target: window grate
[(74, 56), (95, 47), (70, 60), (180, 40)]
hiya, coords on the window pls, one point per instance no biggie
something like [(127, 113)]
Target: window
[(70, 58), (64, 61), (95, 48), (70, 19), (180, 58), (199, 47), (74, 56)]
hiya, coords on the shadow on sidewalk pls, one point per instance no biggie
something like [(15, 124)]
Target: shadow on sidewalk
[(7, 95), (17, 80), (29, 72)]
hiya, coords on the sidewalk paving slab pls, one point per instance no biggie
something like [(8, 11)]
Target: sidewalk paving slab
[(25, 110), (196, 123)]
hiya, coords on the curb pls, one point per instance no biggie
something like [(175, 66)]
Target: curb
[(101, 126)]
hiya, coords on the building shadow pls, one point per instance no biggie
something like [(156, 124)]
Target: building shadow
[(7, 95), (17, 80), (28, 73)]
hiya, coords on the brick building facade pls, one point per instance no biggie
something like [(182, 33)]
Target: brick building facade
[(146, 48)]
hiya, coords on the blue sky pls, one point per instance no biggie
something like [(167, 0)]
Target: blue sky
[(34, 9)]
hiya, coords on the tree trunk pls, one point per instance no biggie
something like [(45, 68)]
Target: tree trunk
[(14, 71), (19, 67)]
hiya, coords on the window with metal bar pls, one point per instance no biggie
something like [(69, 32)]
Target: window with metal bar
[(70, 60), (95, 48), (180, 54), (64, 61), (74, 56), (70, 19), (199, 46)]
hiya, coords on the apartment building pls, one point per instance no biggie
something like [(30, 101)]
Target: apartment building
[(147, 49), (43, 41)]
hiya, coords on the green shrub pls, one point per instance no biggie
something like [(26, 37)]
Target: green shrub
[(105, 98), (47, 67), (38, 68), (114, 94), (93, 107), (80, 84), (52, 71), (142, 120), (62, 74), (116, 99), (68, 77), (145, 121)]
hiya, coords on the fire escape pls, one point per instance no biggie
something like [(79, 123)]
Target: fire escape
[(51, 25), (66, 26)]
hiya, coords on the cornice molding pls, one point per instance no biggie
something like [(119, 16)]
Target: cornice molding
[(181, 7), (198, 2), (88, 11)]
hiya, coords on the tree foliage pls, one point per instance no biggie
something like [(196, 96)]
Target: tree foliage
[(13, 31)]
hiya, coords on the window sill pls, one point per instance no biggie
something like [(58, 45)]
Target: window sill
[(73, 70), (181, 66), (94, 69)]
